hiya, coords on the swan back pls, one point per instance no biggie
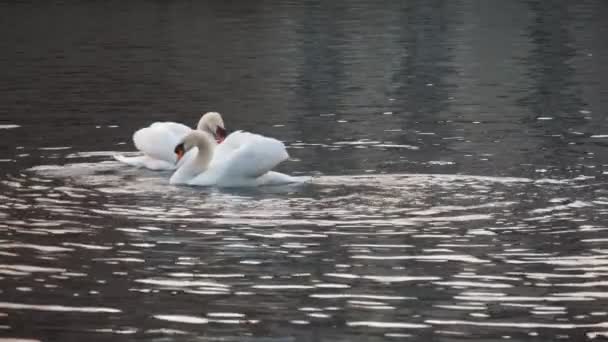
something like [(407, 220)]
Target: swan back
[(241, 159), (258, 156), (154, 139)]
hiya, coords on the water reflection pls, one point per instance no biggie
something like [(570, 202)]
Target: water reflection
[(317, 254), (456, 149)]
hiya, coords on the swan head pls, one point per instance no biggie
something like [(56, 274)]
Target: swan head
[(193, 139), (212, 123)]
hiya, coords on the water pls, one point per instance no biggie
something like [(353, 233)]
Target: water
[(457, 150)]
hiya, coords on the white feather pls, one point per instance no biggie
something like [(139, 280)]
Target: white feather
[(159, 140), (243, 159), (146, 162)]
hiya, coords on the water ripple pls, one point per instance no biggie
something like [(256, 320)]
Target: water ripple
[(59, 308), (448, 252)]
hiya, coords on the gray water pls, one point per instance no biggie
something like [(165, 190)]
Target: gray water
[(457, 149)]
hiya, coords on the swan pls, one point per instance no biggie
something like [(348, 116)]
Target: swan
[(243, 159), (157, 141)]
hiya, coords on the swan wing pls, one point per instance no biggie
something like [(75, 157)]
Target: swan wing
[(173, 127), (242, 160), (233, 142), (254, 156), (159, 139)]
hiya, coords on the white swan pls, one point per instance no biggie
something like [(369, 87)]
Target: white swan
[(158, 140), (243, 159)]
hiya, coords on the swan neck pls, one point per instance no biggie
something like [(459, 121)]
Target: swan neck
[(203, 126), (204, 154), (199, 163)]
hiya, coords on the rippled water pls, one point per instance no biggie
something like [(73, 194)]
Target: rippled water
[(457, 149)]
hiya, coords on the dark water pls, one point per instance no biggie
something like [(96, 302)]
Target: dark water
[(458, 149)]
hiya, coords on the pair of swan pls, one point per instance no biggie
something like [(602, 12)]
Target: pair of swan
[(206, 156)]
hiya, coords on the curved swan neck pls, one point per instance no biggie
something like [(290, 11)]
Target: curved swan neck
[(198, 163), (205, 150), (203, 125)]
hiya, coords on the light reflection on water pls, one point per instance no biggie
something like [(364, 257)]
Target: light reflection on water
[(457, 151), (414, 254)]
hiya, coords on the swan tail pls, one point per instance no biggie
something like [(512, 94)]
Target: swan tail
[(145, 162), (132, 161), (277, 178)]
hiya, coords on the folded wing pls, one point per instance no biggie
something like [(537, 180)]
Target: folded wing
[(252, 155), (241, 159), (159, 139)]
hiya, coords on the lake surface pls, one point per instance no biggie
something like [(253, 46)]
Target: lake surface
[(458, 150)]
